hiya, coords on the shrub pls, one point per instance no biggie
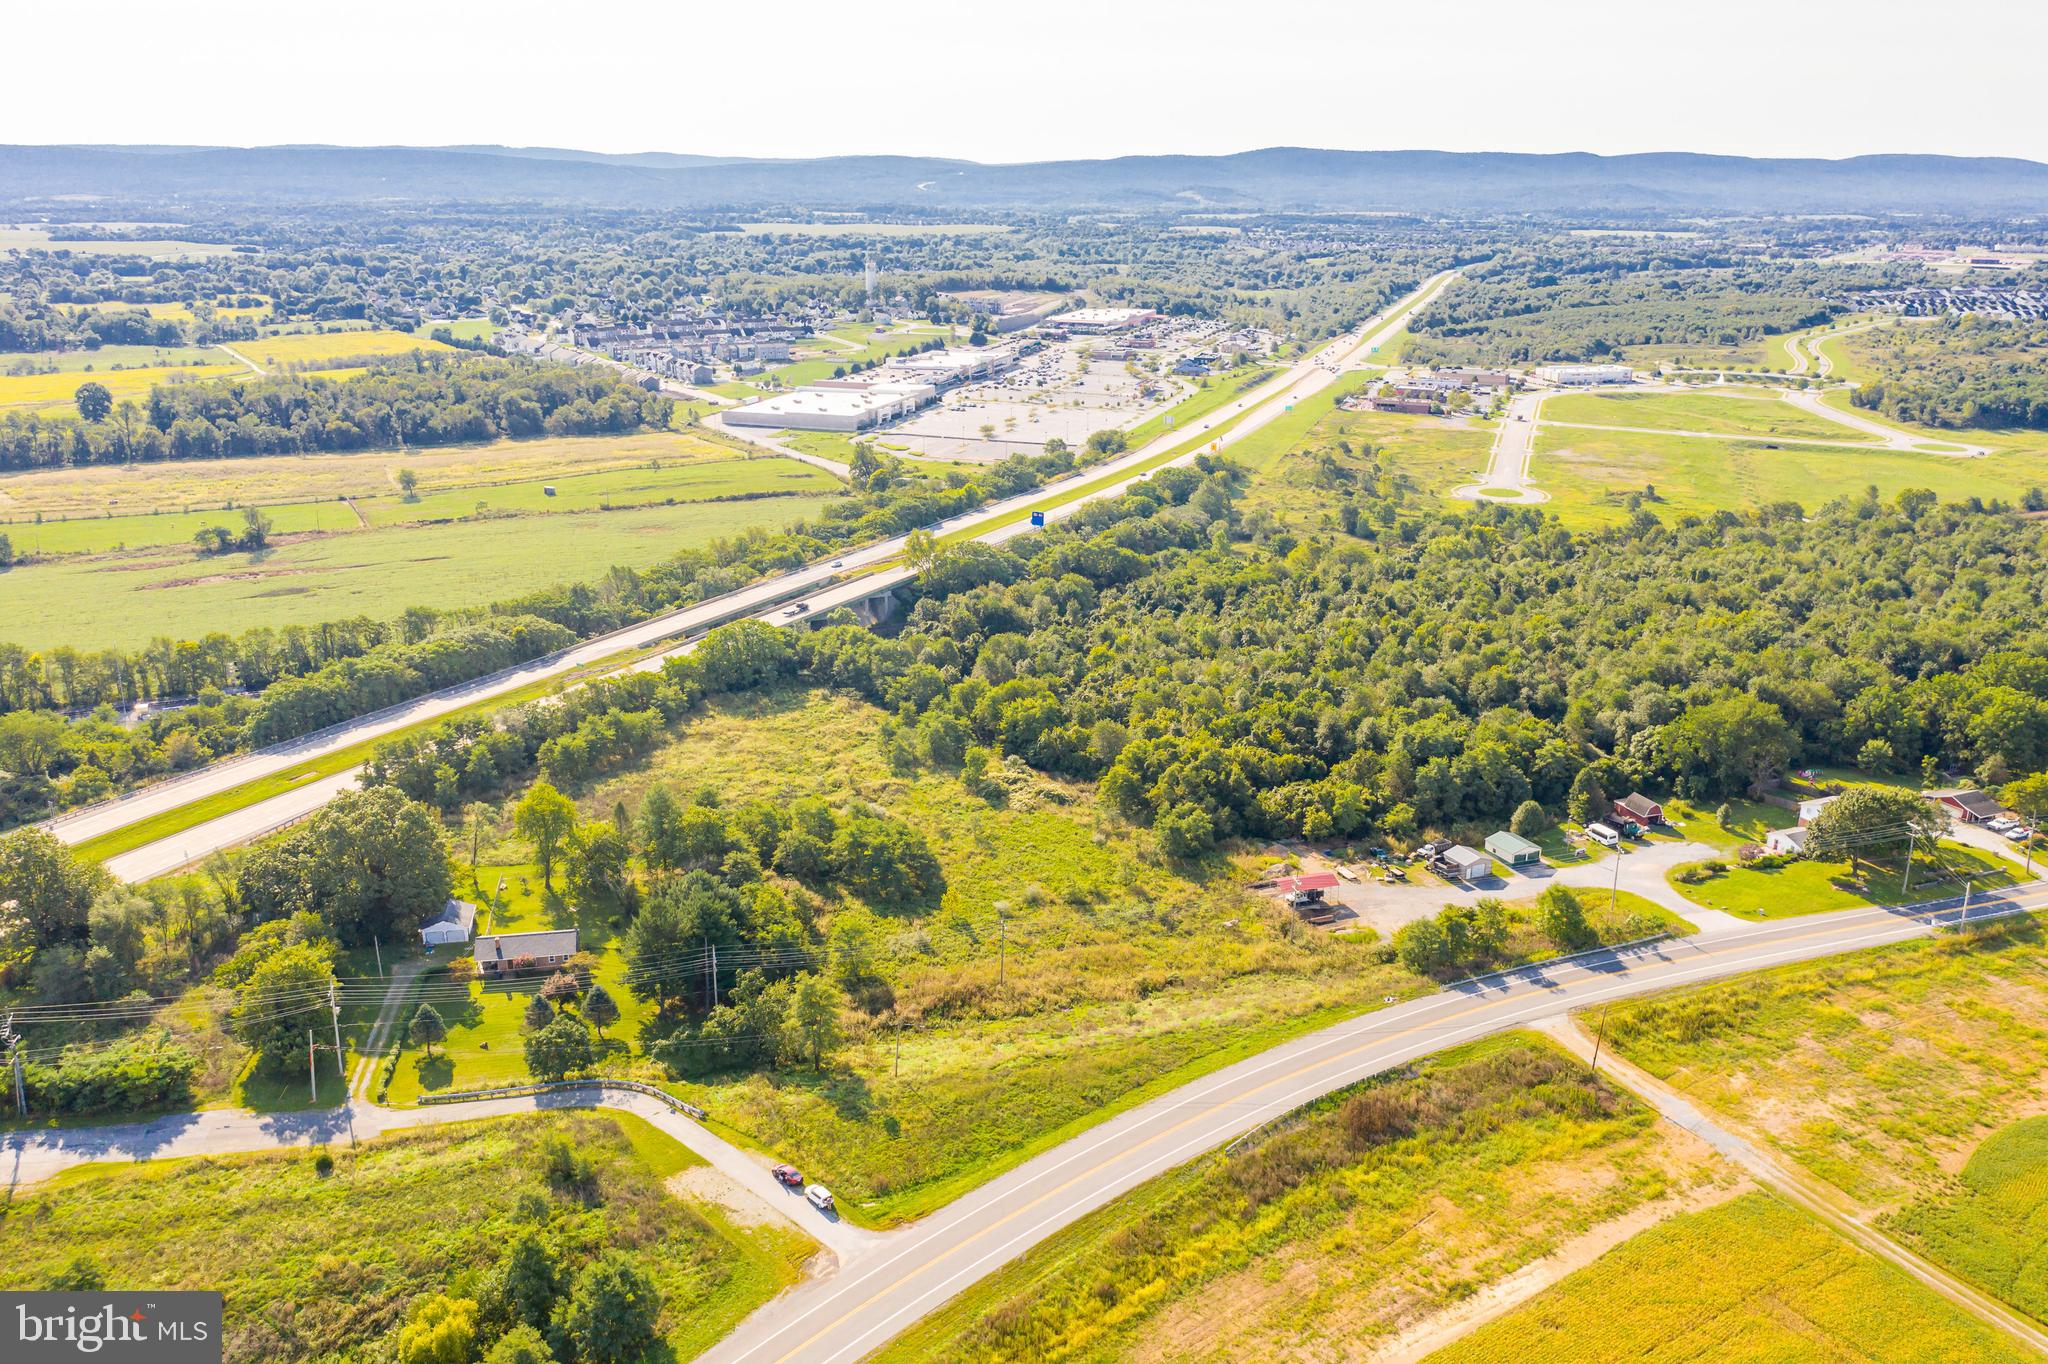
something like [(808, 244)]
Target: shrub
[(142, 1074)]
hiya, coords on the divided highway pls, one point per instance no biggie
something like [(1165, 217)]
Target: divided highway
[(854, 576)]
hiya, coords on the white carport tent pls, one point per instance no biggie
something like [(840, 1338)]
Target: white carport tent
[(458, 918)]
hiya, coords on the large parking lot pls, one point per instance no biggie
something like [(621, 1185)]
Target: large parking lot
[(1055, 392)]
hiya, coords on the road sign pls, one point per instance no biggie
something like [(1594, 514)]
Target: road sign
[(1038, 518)]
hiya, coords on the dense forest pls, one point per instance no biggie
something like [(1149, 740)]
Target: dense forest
[(419, 400), (1570, 301), (1957, 371)]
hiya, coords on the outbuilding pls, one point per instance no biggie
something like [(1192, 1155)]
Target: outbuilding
[(1514, 849), (1637, 808), (1789, 842), (1466, 864), (1971, 807), (456, 923)]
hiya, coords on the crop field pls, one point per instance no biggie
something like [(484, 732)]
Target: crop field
[(1879, 1072), (107, 358), (176, 312), (125, 599), (1589, 474), (1119, 977), (318, 350), (269, 480), (309, 1265), (61, 389), (1989, 1227), (1344, 1230), (1718, 411), (1753, 1279)]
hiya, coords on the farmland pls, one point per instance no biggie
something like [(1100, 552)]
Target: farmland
[(1987, 1226), (1342, 1230), (1879, 1072), (128, 597), (1751, 1279), (59, 390), (321, 350), (307, 1262), (22, 238), (108, 358)]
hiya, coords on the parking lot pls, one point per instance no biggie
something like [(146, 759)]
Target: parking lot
[(1055, 392)]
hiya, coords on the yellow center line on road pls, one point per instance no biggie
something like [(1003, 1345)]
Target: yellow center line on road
[(1909, 927)]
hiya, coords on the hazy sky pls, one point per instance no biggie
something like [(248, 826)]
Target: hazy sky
[(1031, 79)]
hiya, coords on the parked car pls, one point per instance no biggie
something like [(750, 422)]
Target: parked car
[(1603, 835), (820, 1197), (2019, 833), (787, 1176)]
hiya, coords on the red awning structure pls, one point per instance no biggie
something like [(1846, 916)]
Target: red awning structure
[(1315, 880)]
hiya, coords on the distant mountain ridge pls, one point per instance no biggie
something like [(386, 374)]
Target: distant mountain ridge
[(1271, 178)]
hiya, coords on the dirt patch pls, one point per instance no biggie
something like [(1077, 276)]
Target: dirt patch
[(707, 1185), (251, 576)]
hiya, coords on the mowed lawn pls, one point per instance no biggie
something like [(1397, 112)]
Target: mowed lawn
[(1806, 886), (1722, 411), (1590, 474), (321, 1266), (317, 350), (1754, 1279), (486, 1021), (126, 599)]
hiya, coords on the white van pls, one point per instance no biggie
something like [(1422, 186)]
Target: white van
[(1603, 835)]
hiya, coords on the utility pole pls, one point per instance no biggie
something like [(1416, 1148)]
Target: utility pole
[(379, 947), (1599, 1036), (1002, 942), (12, 1041), (1614, 900), (312, 1075), (714, 975), (335, 1004), (1906, 885)]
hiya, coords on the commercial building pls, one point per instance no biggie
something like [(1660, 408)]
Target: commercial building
[(1099, 321), (836, 405), (1582, 376), (942, 369)]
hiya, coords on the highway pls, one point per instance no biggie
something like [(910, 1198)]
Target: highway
[(853, 576), (914, 1270)]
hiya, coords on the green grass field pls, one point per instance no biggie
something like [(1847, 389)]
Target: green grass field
[(1753, 1279), (1730, 411), (1326, 1237), (1805, 886), (320, 1267), (1589, 474), (1222, 388), (1429, 454), (1993, 1225), (1880, 1072), (125, 599)]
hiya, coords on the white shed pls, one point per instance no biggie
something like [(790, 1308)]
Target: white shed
[(457, 921), (1467, 864)]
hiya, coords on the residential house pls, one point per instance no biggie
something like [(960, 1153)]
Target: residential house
[(507, 954), (1971, 807)]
